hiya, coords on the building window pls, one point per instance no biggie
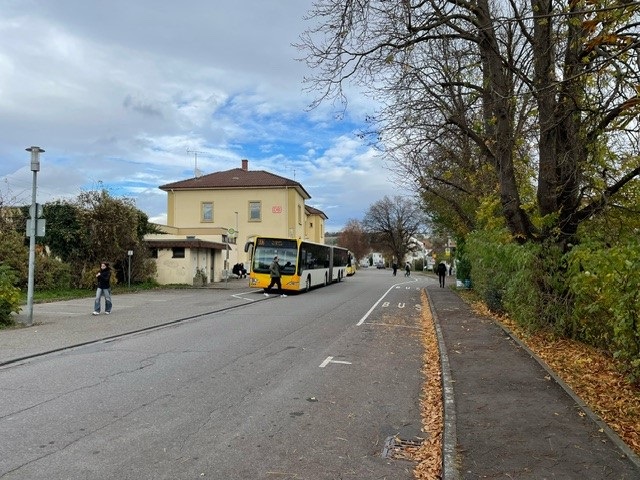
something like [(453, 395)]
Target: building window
[(154, 253), (206, 212), (255, 211), (178, 252)]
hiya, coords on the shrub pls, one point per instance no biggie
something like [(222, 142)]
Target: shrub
[(51, 274), (9, 295), (512, 278), (606, 286)]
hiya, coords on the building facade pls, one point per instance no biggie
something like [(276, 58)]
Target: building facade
[(211, 217)]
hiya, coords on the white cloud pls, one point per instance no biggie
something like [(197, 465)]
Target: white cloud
[(118, 93)]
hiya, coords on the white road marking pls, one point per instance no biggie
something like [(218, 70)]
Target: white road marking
[(361, 321), (329, 360), (238, 295)]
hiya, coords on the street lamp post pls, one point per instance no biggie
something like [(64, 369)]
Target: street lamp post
[(35, 167), (237, 248)]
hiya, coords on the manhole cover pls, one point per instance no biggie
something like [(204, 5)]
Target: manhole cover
[(400, 448)]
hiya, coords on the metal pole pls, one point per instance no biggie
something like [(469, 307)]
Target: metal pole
[(236, 242), (226, 266), (129, 255), (35, 167)]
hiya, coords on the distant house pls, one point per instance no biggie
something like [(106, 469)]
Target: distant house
[(377, 259), (210, 218)]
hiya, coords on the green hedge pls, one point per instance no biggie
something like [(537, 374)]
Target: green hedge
[(606, 285), (591, 294), (9, 295)]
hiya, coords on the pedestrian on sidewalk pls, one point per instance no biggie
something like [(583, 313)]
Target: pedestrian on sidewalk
[(104, 289), (442, 273), (407, 270)]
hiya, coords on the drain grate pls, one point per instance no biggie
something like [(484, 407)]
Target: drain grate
[(400, 448)]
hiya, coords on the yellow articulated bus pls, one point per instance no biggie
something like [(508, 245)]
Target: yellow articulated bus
[(303, 265)]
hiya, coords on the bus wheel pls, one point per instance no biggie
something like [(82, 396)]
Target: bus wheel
[(307, 285)]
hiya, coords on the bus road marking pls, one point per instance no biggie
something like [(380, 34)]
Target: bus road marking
[(329, 360), (366, 315)]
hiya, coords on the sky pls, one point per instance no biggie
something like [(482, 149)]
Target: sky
[(130, 95)]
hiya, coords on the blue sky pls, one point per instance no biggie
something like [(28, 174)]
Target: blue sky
[(117, 92)]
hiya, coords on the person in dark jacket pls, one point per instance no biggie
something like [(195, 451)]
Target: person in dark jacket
[(104, 289), (442, 273), (275, 274)]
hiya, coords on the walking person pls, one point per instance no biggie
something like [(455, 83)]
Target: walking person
[(274, 273), (104, 289), (407, 270), (442, 273), (395, 268)]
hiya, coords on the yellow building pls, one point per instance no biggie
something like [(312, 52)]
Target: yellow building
[(210, 218)]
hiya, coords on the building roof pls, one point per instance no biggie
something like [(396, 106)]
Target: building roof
[(236, 178), (315, 211), (184, 242)]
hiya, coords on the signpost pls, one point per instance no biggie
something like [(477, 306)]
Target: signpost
[(130, 254), (231, 233)]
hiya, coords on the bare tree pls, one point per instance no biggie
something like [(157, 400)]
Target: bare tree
[(540, 96), (392, 222), (354, 238)]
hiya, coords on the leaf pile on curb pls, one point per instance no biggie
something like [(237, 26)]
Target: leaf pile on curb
[(429, 454)]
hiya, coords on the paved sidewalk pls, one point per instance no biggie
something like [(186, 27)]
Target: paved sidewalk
[(507, 416), (59, 325)]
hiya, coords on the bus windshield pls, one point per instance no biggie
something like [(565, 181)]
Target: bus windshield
[(267, 248)]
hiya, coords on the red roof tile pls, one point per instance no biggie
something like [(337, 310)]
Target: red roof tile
[(236, 178), (184, 242), (315, 211)]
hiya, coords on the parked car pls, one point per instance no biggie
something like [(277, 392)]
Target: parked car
[(380, 265)]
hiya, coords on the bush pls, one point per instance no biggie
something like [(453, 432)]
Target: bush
[(9, 295), (591, 294), (51, 274), (606, 285), (515, 279), (490, 255), (15, 255)]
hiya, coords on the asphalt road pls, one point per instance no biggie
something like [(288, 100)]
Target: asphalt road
[(304, 387)]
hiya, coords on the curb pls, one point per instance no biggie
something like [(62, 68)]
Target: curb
[(449, 437)]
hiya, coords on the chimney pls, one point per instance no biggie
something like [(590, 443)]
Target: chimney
[(245, 165)]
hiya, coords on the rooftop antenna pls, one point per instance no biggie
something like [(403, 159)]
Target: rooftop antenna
[(288, 167), (196, 172)]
